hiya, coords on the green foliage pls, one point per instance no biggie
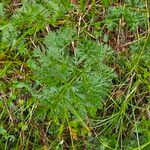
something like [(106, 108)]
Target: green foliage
[(133, 19), (58, 82), (106, 2), (30, 15), (71, 82), (2, 12)]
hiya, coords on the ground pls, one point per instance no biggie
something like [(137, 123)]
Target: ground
[(75, 74)]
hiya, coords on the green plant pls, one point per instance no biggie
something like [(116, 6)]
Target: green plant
[(74, 74), (73, 80)]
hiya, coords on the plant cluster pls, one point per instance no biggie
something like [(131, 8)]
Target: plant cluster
[(74, 74)]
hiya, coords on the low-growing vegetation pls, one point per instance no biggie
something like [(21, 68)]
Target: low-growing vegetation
[(75, 74)]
